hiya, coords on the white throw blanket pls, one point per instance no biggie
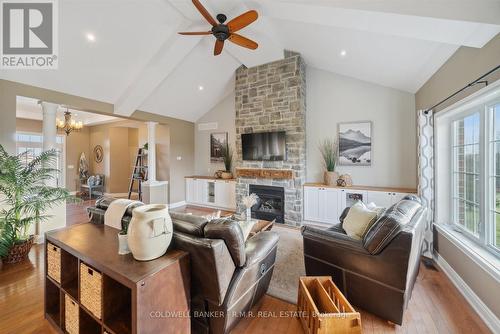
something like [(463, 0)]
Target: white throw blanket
[(116, 210)]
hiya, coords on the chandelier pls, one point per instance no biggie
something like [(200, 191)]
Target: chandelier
[(68, 125)]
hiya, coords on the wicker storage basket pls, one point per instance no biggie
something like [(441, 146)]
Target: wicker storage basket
[(323, 309), (54, 262), (71, 315), (90, 289)]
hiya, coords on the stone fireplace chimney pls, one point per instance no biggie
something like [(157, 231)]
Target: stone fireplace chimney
[(272, 97)]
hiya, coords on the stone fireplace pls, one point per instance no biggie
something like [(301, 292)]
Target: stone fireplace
[(272, 97)]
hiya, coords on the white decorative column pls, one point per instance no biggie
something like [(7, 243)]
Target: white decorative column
[(153, 191), (49, 131), (151, 151)]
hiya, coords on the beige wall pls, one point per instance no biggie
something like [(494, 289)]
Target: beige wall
[(334, 99), (120, 166), (466, 65), (224, 115), (28, 125), (181, 132), (76, 144)]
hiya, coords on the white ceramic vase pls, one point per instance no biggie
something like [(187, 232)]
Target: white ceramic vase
[(150, 231), (123, 244)]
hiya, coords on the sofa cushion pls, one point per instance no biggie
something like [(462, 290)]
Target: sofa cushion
[(358, 220), (230, 231), (388, 226), (188, 223)]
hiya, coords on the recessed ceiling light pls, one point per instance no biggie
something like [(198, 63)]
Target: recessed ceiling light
[(90, 37), (201, 88), (343, 53)]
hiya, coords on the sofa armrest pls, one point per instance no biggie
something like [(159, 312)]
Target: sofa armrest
[(259, 246)]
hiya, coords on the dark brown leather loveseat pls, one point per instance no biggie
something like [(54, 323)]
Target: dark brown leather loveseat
[(378, 272), (228, 275)]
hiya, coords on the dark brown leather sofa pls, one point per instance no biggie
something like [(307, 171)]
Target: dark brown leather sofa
[(378, 272), (228, 275)]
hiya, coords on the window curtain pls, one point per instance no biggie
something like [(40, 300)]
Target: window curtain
[(425, 123)]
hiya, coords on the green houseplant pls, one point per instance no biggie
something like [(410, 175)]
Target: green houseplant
[(227, 157), (328, 149), (25, 200)]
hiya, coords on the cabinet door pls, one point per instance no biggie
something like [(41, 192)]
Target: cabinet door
[(311, 204), (380, 198), (330, 212), (190, 191), (201, 191)]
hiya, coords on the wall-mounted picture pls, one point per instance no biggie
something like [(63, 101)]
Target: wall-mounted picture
[(217, 142), (355, 144)]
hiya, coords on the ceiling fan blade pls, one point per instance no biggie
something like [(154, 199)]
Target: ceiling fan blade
[(195, 33), (204, 12), (242, 21), (218, 47), (243, 41)]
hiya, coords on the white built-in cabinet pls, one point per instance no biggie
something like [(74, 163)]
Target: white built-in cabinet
[(211, 192), (325, 204)]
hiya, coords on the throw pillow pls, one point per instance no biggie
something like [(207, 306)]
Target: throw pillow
[(372, 206), (358, 220), (246, 227)]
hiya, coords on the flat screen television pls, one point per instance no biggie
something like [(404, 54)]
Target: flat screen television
[(269, 146)]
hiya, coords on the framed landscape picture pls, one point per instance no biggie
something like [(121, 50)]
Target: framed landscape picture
[(355, 144), (217, 142)]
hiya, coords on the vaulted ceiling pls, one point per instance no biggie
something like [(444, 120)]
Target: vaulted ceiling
[(138, 61)]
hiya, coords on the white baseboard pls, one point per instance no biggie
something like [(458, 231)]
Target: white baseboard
[(477, 304), (176, 205)]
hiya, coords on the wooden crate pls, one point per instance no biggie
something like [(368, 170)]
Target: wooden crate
[(90, 289), (324, 309), (54, 262), (71, 315)]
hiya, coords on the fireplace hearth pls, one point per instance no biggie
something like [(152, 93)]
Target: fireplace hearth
[(271, 203)]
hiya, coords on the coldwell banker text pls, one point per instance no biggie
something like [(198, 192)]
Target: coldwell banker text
[(29, 34)]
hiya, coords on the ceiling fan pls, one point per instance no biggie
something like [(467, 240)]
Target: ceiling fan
[(223, 31)]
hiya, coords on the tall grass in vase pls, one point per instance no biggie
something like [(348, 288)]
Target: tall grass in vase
[(329, 149), (227, 158), (25, 199)]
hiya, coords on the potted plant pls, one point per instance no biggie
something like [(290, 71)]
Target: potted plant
[(227, 157), (25, 200), (328, 149)]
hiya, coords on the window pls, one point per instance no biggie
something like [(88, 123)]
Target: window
[(32, 144), (475, 169), (494, 230)]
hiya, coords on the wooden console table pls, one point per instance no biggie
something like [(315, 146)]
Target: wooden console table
[(134, 297)]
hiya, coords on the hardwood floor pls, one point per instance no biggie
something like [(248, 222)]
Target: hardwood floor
[(435, 307)]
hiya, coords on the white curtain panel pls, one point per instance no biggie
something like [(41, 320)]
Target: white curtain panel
[(425, 123)]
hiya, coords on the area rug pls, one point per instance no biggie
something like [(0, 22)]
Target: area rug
[(289, 265)]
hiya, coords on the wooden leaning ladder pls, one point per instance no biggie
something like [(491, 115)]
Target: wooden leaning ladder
[(139, 173)]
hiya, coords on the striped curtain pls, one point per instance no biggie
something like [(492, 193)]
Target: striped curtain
[(425, 123)]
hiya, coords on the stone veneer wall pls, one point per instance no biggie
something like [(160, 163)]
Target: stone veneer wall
[(272, 97)]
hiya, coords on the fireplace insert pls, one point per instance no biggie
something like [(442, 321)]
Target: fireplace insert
[(271, 203)]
